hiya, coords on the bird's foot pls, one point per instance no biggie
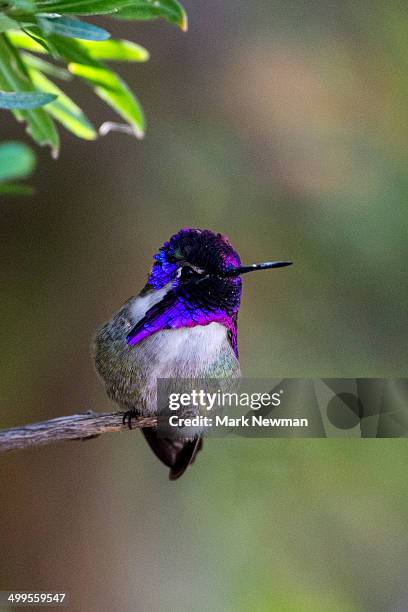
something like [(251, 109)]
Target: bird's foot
[(128, 416)]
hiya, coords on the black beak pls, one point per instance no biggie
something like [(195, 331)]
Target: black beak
[(260, 266)]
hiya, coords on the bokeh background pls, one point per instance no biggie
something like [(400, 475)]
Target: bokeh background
[(283, 125)]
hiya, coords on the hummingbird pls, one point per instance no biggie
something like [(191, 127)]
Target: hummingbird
[(182, 324)]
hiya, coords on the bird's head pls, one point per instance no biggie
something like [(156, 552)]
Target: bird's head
[(197, 264), (198, 275)]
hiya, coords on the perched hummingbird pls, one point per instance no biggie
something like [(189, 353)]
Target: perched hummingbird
[(183, 324)]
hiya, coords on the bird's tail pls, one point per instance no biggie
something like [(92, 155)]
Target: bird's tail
[(177, 454)]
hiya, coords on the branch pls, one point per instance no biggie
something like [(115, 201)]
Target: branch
[(74, 427)]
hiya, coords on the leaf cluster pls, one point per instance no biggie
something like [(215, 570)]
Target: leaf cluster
[(44, 43)]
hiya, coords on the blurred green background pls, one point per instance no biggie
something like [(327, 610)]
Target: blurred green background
[(283, 125)]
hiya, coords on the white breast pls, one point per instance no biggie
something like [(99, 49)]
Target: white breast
[(189, 350), (130, 373)]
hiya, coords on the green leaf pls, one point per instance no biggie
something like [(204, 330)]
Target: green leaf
[(14, 77), (41, 128), (7, 24), (120, 50), (36, 62), (170, 10), (72, 28), (22, 40), (14, 100), (34, 32), (82, 7), (64, 109), (13, 189), (114, 92), (16, 161), (71, 50)]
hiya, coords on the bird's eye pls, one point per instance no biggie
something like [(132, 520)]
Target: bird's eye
[(187, 273)]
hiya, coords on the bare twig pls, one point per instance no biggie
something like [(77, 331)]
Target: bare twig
[(73, 427)]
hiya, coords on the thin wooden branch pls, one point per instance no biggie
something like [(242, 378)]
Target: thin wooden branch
[(73, 427)]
